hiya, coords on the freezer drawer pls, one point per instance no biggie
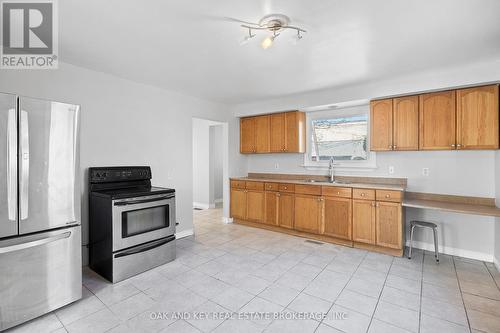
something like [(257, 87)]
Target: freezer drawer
[(39, 273)]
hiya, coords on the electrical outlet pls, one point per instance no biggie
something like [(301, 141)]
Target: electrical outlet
[(391, 170), (276, 166), (425, 172)]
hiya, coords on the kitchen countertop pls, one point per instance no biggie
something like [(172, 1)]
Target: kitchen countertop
[(320, 183)]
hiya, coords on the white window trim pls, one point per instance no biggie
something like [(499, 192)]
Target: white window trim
[(367, 165)]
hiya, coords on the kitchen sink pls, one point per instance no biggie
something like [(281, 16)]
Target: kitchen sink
[(340, 182)]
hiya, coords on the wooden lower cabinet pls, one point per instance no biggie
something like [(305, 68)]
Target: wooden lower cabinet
[(255, 206), (238, 204), (363, 221), (338, 217), (286, 213), (389, 225), (308, 213), (271, 210)]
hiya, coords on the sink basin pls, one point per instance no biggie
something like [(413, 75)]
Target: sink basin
[(340, 182)]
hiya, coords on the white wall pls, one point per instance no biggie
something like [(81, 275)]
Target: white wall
[(207, 163), (497, 224), (201, 165), (468, 173), (217, 159), (127, 123)]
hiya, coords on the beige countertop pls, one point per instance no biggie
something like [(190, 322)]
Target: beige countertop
[(321, 183)]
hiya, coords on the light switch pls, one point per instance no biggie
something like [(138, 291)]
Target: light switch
[(391, 170), (425, 172), (276, 166)]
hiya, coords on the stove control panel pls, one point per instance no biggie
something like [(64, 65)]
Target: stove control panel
[(119, 174)]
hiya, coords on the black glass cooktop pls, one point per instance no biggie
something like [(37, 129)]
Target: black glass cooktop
[(132, 192)]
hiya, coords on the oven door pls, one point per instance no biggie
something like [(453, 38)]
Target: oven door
[(142, 219)]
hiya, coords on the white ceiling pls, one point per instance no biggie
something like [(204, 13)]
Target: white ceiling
[(188, 46)]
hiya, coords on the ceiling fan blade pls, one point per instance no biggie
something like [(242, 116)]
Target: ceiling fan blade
[(230, 19)]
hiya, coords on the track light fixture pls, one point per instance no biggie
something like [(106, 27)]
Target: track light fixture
[(273, 23)]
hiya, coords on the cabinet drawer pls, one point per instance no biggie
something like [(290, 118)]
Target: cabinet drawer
[(386, 195), (308, 189), (363, 194), (341, 192), (238, 184), (272, 186), (259, 186), (287, 188)]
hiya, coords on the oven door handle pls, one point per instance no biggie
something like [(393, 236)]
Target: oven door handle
[(145, 247), (135, 202)]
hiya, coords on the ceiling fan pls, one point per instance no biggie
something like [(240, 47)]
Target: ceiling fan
[(274, 24)]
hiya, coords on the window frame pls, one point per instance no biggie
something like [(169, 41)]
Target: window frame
[(369, 164)]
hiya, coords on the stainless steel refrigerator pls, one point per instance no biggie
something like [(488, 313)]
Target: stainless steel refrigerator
[(40, 237)]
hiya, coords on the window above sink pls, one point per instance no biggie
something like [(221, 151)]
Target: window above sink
[(341, 133)]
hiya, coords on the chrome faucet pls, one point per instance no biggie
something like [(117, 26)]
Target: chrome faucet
[(331, 170)]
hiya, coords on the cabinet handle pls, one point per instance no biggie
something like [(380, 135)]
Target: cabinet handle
[(387, 195), (453, 145), (278, 194), (286, 188), (394, 147), (338, 192), (377, 204), (373, 204), (459, 145), (390, 146), (363, 194)]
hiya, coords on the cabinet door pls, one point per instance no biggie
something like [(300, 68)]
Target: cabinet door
[(262, 131), (277, 133), (389, 225), (238, 204), (405, 117), (437, 121), (247, 135), (295, 128), (255, 206), (271, 214), (286, 213), (381, 125), (363, 221), (477, 118), (308, 213), (338, 217)]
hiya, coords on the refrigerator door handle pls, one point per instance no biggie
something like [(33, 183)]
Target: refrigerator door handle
[(38, 242), (25, 164), (12, 164)]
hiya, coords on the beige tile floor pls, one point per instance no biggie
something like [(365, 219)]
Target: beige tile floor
[(236, 269)]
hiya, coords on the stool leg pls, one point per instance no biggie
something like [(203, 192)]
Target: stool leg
[(411, 241), (436, 252)]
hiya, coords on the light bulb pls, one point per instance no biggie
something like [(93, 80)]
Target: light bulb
[(267, 42)]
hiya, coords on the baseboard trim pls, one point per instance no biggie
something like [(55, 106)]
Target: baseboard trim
[(184, 233), (496, 262), (453, 251), (227, 220), (201, 205)]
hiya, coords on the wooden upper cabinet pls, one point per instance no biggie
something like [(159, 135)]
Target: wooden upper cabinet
[(363, 221), (405, 123), (295, 132), (381, 125), (282, 132), (247, 135), (308, 213), (389, 225), (437, 121), (262, 132), (338, 218), (277, 132), (477, 118), (238, 203)]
